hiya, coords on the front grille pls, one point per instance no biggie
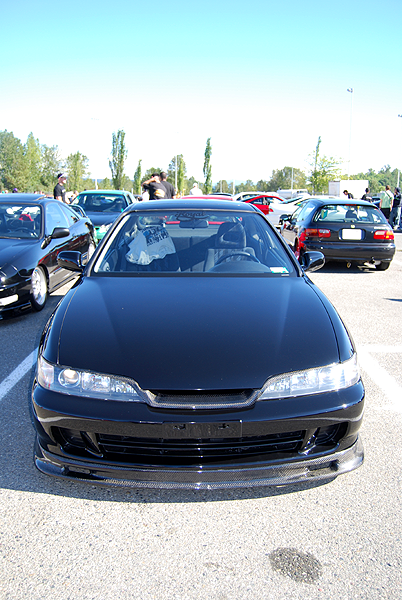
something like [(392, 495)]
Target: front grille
[(195, 452), (213, 399)]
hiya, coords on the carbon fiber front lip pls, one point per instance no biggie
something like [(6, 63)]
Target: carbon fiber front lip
[(323, 467)]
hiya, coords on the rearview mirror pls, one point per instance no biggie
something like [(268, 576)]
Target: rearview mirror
[(70, 260)]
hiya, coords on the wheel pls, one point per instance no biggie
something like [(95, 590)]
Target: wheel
[(38, 288), (245, 255), (383, 266)]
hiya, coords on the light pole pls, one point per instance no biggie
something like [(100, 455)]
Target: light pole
[(399, 171), (350, 128)]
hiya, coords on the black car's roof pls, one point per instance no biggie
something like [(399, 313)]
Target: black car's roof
[(26, 198), (197, 204), (341, 201)]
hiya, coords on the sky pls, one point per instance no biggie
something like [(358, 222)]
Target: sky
[(262, 79)]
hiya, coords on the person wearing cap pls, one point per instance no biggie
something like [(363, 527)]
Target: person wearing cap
[(59, 192)]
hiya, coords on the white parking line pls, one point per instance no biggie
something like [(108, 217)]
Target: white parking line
[(17, 374), (387, 384)]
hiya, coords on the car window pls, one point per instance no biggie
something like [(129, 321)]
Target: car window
[(194, 242), (20, 221), (101, 203), (71, 216), (344, 213), (54, 217)]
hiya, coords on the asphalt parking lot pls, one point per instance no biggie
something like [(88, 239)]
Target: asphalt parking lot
[(341, 539)]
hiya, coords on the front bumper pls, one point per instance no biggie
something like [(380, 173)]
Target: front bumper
[(273, 442), (298, 471)]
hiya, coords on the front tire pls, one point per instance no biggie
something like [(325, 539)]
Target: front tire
[(39, 291)]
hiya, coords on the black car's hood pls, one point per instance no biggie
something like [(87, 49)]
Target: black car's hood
[(12, 249), (172, 333)]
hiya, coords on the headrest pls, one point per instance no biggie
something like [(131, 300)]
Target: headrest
[(231, 235)]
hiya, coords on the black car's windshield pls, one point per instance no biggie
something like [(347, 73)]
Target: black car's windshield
[(20, 221), (101, 203), (349, 213), (188, 241)]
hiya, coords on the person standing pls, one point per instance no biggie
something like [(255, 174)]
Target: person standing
[(195, 190), (348, 194), (386, 201), (367, 196), (395, 215), (59, 192), (170, 191), (156, 189)]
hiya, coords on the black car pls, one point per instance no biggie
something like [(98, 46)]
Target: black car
[(33, 230), (194, 352), (354, 231), (103, 207)]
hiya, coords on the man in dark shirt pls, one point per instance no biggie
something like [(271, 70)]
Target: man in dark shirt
[(59, 192), (156, 189), (170, 191)]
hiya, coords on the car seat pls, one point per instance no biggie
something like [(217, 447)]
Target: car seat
[(231, 237)]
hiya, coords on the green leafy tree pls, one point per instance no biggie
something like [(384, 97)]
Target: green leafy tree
[(12, 170), (222, 186), (126, 183), (105, 184), (323, 170), (77, 171), (181, 181), (32, 164), (207, 168), (137, 179), (51, 165), (245, 186), (119, 155), (281, 179)]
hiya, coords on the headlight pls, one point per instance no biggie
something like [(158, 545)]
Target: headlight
[(312, 381), (84, 383)]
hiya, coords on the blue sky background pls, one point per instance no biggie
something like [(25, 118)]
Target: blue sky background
[(262, 79)]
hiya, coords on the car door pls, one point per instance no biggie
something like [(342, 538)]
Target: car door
[(55, 217)]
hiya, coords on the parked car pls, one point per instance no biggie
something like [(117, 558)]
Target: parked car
[(274, 206), (243, 195), (103, 207), (33, 230), (156, 371), (354, 231)]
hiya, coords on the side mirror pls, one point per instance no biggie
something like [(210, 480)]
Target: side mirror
[(284, 218), (57, 233), (312, 261), (70, 260)]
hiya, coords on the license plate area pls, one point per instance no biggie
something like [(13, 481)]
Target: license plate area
[(226, 429), (352, 234)]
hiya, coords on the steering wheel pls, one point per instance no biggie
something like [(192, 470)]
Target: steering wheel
[(248, 256), (25, 230)]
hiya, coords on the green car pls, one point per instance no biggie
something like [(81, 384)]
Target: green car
[(103, 207)]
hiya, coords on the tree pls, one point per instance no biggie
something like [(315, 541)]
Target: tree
[(177, 179), (207, 168), (50, 166), (148, 173), (137, 179), (323, 169), (105, 184), (119, 155), (77, 171), (32, 165), (284, 179), (126, 183), (11, 162)]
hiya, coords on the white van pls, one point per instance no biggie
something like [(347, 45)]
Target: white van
[(291, 193)]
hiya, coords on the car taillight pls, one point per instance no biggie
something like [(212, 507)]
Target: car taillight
[(320, 233), (383, 234)]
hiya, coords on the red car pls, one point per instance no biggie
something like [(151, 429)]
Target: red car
[(263, 201)]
